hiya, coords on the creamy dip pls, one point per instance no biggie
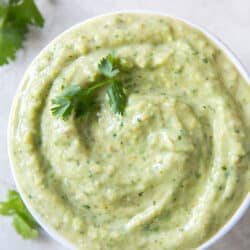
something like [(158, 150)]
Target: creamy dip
[(166, 175)]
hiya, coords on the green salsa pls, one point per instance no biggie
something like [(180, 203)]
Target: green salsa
[(170, 172)]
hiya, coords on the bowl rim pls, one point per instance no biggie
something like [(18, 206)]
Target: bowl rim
[(241, 210)]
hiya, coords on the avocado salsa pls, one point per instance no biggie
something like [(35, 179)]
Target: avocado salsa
[(169, 172)]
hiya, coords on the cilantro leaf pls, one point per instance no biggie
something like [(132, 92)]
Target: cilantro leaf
[(23, 221), (15, 18), (11, 39), (108, 65), (24, 12), (74, 98), (24, 228), (63, 107), (85, 103), (82, 100), (117, 97), (64, 104)]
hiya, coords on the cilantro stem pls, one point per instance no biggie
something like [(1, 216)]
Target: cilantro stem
[(98, 85)]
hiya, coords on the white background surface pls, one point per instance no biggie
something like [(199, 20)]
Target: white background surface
[(228, 19)]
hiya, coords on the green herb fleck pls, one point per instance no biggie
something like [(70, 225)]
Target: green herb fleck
[(151, 227), (224, 168), (140, 194), (237, 131), (205, 60), (178, 71), (86, 206), (197, 175), (194, 91)]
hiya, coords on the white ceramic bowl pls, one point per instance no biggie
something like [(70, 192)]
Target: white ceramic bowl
[(245, 204)]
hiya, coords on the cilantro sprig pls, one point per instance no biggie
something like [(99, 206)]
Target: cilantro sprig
[(23, 221), (82, 100), (15, 18)]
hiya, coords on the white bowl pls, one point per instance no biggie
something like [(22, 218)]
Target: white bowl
[(245, 204)]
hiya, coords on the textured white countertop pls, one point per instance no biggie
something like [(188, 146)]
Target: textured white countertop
[(228, 19)]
